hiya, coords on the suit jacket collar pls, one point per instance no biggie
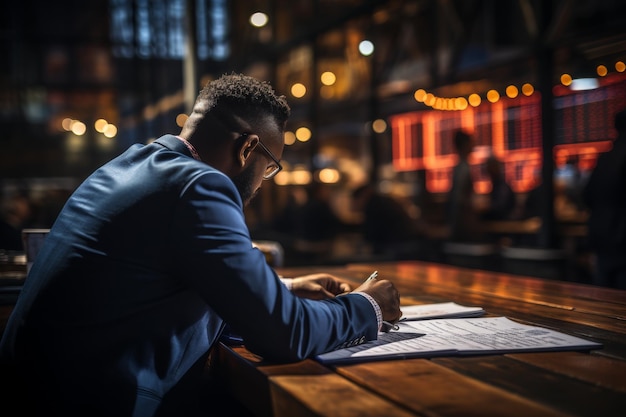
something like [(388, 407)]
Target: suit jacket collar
[(173, 143)]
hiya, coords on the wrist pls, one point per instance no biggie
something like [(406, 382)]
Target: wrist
[(375, 306)]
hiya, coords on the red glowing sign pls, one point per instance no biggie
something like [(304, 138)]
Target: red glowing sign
[(510, 129)]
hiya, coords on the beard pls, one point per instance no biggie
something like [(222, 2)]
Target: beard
[(244, 182)]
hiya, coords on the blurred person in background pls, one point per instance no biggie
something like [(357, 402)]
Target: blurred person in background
[(501, 199), (387, 225), (572, 181), (319, 225), (605, 196), (318, 221), (461, 215)]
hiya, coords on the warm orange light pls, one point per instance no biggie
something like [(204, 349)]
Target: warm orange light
[(602, 70), (289, 138), (100, 125), (78, 128), (430, 99), (298, 90), (528, 89), (474, 100), (566, 79), (420, 95), (282, 178), (110, 130), (301, 176), (461, 103), (620, 66), (512, 91), (328, 78), (67, 124), (181, 119), (303, 134), (493, 96), (379, 126), (329, 176)]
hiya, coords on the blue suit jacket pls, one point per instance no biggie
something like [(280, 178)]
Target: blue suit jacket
[(148, 258)]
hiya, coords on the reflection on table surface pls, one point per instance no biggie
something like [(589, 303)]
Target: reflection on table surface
[(571, 383), (521, 384)]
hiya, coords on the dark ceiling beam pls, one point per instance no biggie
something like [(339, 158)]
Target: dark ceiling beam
[(530, 18), (560, 20), (462, 30)]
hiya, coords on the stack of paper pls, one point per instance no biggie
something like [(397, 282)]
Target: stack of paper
[(417, 338), (439, 311)]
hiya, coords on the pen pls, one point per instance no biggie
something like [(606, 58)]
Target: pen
[(371, 277), (387, 326)]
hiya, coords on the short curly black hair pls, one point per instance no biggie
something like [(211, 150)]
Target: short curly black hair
[(245, 96)]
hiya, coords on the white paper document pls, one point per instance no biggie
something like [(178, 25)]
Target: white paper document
[(448, 337), (438, 310)]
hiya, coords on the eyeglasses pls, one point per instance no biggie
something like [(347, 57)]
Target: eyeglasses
[(272, 169)]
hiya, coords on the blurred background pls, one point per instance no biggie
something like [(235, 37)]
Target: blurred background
[(377, 89)]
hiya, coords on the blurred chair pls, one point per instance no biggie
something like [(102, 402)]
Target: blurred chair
[(533, 261), (273, 251), (483, 255)]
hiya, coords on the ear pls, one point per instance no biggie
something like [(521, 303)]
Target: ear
[(245, 147)]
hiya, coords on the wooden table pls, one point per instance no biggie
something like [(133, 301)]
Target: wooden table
[(526, 384)]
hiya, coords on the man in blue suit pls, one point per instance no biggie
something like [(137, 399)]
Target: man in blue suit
[(151, 256)]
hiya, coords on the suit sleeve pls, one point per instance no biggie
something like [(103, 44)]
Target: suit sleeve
[(214, 252)]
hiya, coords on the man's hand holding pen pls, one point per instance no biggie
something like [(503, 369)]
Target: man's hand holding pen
[(322, 286), (386, 295)]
